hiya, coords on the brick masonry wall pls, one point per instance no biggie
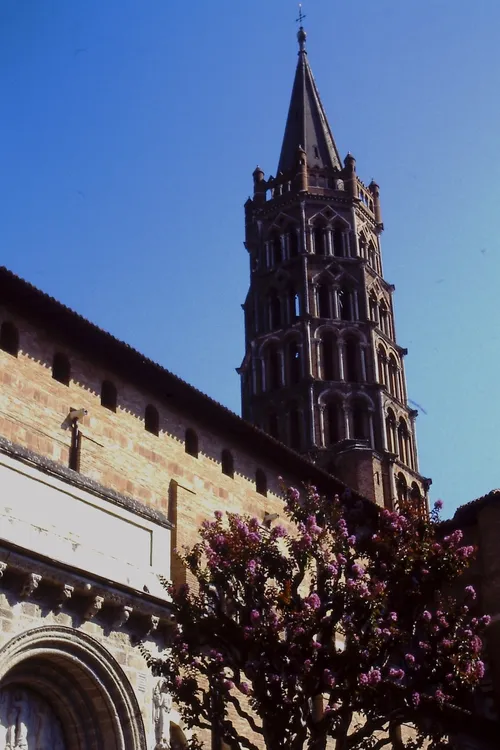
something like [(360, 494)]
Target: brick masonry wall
[(116, 449)]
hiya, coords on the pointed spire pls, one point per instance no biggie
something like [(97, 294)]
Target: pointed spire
[(306, 124)]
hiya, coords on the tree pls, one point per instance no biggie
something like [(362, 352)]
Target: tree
[(342, 626)]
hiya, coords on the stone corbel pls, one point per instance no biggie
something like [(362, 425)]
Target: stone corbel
[(3, 568), (30, 584), (94, 607), (152, 624), (65, 595), (123, 617)]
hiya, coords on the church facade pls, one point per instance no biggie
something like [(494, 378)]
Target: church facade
[(109, 462)]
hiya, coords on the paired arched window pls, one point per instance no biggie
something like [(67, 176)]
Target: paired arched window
[(329, 357), (346, 304), (401, 490), (152, 420), (393, 377), (352, 359), (334, 422), (275, 317), (61, 368), (227, 463), (109, 396), (273, 368), (319, 235), (294, 362), (384, 319), (324, 301), (261, 482), (382, 365), (390, 428), (295, 427), (9, 338), (338, 242), (360, 420), (276, 248), (293, 242), (191, 442), (404, 443)]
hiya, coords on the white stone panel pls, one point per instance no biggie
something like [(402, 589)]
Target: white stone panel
[(48, 516)]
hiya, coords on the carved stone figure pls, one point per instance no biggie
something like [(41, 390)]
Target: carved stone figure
[(27, 722), (162, 706)]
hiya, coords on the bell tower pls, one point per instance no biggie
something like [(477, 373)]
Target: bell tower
[(322, 370)]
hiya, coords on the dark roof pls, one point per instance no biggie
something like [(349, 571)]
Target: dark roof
[(307, 125), (467, 514), (99, 345)]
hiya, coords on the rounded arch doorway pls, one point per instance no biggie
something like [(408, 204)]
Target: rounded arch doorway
[(61, 690)]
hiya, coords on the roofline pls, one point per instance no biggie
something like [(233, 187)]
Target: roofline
[(34, 305)]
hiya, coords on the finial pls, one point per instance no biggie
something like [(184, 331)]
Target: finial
[(301, 36)]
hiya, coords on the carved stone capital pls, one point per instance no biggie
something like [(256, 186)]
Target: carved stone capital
[(30, 584), (94, 607), (123, 616)]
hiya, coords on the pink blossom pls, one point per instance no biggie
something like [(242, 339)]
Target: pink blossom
[(254, 615), (307, 665), (410, 659), (313, 601), (228, 684), (393, 616), (245, 688), (426, 616), (415, 699), (278, 532), (251, 566), (374, 676), (363, 679), (218, 515), (485, 620), (439, 696), (438, 505), (357, 570)]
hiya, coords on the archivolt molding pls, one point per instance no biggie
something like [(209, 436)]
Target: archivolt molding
[(88, 689)]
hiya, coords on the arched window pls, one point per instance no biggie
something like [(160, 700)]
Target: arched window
[(276, 249), (227, 463), (329, 357), (191, 442), (273, 368), (333, 423), (372, 256), (319, 240), (293, 243), (390, 426), (61, 368), (294, 363), (108, 395), (417, 500), (152, 420), (274, 310), (261, 482), (362, 247), (384, 319), (401, 490), (9, 338), (382, 365), (273, 423), (403, 441), (293, 305), (352, 359), (338, 242), (372, 302), (393, 377), (295, 424), (323, 301), (360, 420), (346, 307)]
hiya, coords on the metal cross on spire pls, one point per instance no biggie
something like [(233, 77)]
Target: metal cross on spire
[(301, 15)]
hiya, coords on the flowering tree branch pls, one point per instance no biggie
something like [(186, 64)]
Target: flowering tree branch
[(344, 614)]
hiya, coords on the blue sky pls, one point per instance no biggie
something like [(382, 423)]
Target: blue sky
[(129, 130)]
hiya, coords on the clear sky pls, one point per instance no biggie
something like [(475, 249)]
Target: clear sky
[(129, 130)]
